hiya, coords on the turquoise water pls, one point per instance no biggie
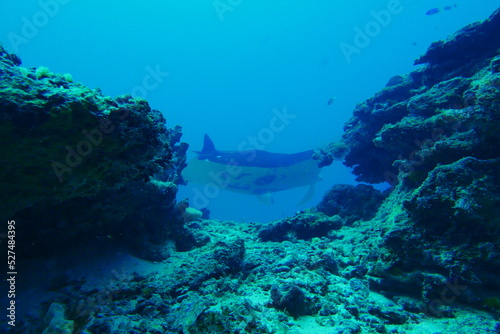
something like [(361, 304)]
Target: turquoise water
[(222, 67)]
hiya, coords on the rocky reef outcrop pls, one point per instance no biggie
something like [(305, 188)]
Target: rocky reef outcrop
[(78, 165), (352, 203), (446, 110), (434, 138)]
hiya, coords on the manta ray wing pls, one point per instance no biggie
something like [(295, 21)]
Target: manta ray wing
[(253, 171)]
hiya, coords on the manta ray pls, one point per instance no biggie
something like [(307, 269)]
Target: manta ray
[(252, 171)]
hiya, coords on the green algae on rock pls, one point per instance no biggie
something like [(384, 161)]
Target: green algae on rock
[(68, 149), (434, 137), (465, 84)]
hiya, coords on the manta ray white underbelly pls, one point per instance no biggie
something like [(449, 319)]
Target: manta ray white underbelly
[(253, 171), (252, 180)]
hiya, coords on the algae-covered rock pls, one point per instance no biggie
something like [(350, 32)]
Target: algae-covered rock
[(76, 163), (460, 89), (434, 137), (463, 196), (291, 298), (56, 321), (443, 95), (478, 40), (350, 202), (62, 140), (304, 225)]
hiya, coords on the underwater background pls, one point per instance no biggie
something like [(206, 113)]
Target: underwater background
[(224, 68), (105, 107)]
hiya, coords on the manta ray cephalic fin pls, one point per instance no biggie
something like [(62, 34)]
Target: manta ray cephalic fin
[(309, 194)]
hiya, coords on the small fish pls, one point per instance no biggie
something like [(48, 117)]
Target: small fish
[(437, 10), (432, 11), (331, 100)]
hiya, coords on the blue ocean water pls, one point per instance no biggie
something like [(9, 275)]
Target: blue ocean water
[(224, 67)]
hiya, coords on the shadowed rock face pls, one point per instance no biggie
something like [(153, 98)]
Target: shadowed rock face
[(463, 196), (76, 163), (351, 202)]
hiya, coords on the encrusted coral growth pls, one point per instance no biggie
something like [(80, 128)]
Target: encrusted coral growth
[(64, 140), (350, 202), (449, 107), (68, 149), (463, 196), (435, 138)]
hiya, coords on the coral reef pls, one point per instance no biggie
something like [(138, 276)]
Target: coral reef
[(350, 202), (434, 137), (239, 284), (420, 257), (439, 113), (303, 226), (90, 165)]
